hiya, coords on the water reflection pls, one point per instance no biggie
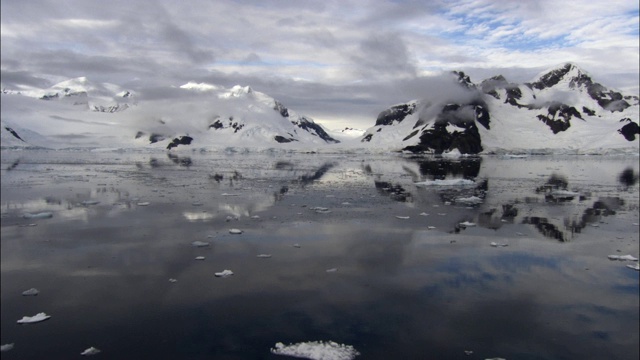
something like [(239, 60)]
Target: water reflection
[(628, 177)]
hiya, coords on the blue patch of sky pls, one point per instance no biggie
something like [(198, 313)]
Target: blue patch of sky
[(517, 41)]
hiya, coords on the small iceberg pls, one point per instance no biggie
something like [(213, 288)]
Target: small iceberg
[(495, 244), (332, 270), (264, 256), (30, 292), (90, 351), (402, 217), (199, 258), (471, 200), (467, 224), (635, 267), (451, 182), (6, 347), (424, 214), (622, 257), (235, 231), (296, 246), (320, 210), (316, 350), (40, 215), (224, 273), (143, 203), (430, 227), (90, 202), (172, 280), (34, 319), (198, 243)]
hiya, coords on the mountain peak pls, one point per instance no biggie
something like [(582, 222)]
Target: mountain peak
[(567, 72)]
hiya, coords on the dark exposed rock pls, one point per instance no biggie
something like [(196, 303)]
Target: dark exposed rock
[(464, 79), (182, 140), (314, 129), (395, 113), (281, 109), (630, 130), (367, 138), (139, 134), (14, 133), (216, 125), (154, 138), (588, 111), (439, 140), (282, 139)]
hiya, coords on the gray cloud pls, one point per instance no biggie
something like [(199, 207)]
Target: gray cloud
[(383, 55)]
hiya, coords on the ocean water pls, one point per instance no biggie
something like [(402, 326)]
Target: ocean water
[(390, 254)]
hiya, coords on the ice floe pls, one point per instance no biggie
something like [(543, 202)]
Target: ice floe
[(6, 347), (431, 227), (495, 244), (90, 202), (424, 214), (622, 257), (30, 292), (264, 256), (235, 231), (199, 258), (471, 200), (143, 203), (34, 319), (451, 182), (316, 350), (402, 217), (172, 280), (224, 273), (296, 246), (467, 224), (40, 215), (634, 267), (320, 210), (90, 351), (332, 270), (199, 243)]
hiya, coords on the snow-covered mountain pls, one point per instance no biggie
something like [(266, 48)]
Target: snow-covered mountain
[(198, 114), (560, 110)]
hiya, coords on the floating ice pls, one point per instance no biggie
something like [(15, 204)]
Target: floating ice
[(424, 214), (229, 218), (34, 319), (431, 227), (264, 256), (471, 200), (143, 203), (225, 194), (199, 258), (31, 292), (224, 273), (402, 217), (563, 193), (442, 214), (317, 350), (634, 267), (255, 217), (90, 351), (332, 270), (622, 257), (41, 215), (495, 244), (6, 347), (320, 210), (468, 352), (235, 231), (467, 224), (296, 245), (198, 243), (90, 202), (451, 182), (172, 280)]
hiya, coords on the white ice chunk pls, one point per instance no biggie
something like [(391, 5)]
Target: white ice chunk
[(6, 347), (471, 200), (467, 224), (424, 214), (172, 280), (31, 292), (143, 203), (431, 227), (332, 270), (34, 319), (495, 244), (225, 194), (622, 257), (90, 351), (317, 350), (255, 217), (198, 243), (634, 267), (402, 217), (320, 210), (90, 202), (224, 273), (264, 256), (235, 231), (199, 258), (451, 182), (41, 215), (296, 246)]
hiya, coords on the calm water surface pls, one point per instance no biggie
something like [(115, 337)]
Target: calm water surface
[(410, 282)]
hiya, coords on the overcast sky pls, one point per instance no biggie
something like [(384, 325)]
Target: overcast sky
[(339, 62)]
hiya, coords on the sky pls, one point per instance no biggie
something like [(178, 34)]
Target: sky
[(341, 62)]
